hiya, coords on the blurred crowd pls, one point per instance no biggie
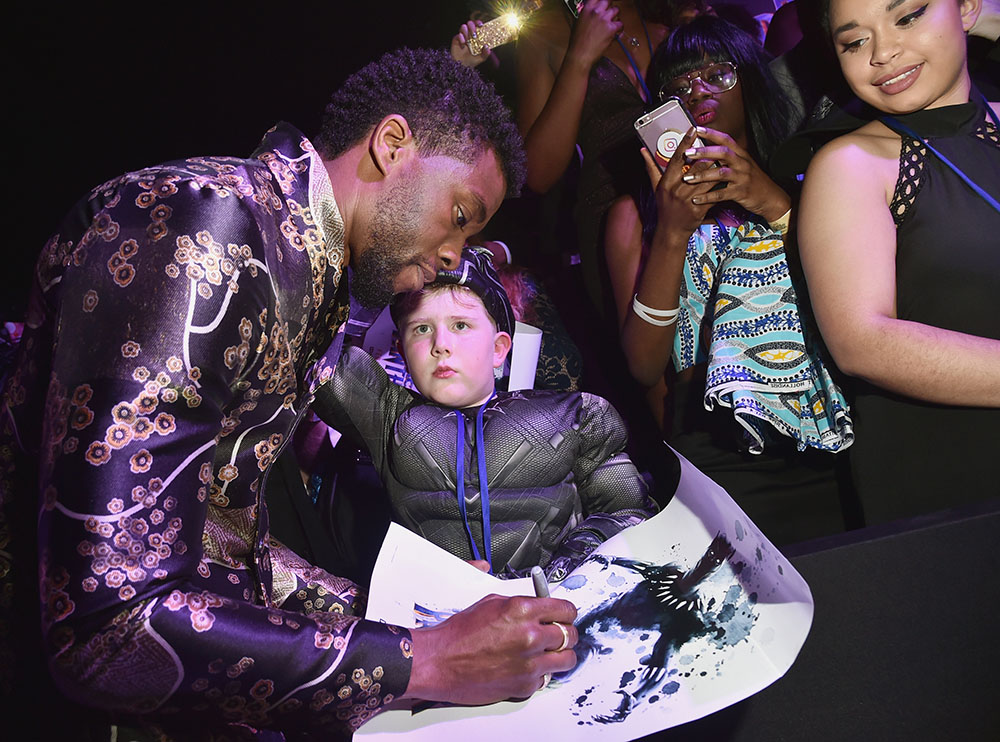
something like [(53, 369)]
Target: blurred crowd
[(759, 347)]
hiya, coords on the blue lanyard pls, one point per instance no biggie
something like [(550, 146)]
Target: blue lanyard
[(893, 123), (484, 492), (647, 96)]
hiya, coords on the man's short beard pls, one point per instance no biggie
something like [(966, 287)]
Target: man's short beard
[(391, 243), (372, 279)]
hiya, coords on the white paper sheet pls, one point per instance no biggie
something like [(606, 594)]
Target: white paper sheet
[(735, 630), (524, 356)]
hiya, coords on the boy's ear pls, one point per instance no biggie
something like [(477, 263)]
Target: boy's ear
[(501, 347)]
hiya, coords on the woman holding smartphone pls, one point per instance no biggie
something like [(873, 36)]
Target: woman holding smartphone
[(699, 276), (899, 230)]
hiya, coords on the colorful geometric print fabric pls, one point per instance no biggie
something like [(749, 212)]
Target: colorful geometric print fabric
[(175, 314), (760, 364)]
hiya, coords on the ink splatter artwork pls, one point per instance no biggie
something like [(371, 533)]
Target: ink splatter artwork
[(678, 617), (673, 623)]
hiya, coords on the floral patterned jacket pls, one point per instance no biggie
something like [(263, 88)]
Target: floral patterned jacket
[(175, 315)]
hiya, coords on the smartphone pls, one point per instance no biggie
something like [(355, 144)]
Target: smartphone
[(574, 7), (503, 28), (495, 33), (661, 131)]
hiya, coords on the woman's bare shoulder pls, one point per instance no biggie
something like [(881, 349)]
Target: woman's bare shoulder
[(873, 140), (871, 151)]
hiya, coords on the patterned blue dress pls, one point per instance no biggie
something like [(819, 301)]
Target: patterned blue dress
[(761, 364)]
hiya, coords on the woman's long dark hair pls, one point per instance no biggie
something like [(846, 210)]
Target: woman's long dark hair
[(709, 38), (767, 110)]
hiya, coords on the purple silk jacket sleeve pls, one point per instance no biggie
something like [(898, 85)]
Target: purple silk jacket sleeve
[(169, 327)]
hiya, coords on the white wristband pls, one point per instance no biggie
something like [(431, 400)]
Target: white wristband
[(657, 317)]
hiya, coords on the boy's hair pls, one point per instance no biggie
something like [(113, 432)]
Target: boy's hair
[(475, 273), (451, 111), (406, 304)]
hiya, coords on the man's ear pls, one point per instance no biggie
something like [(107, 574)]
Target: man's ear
[(391, 142), (501, 347)]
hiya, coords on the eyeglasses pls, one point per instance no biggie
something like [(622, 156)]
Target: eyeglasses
[(716, 78)]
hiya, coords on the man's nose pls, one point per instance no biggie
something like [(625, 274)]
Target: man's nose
[(449, 254)]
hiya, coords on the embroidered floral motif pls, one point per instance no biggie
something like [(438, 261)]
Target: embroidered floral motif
[(157, 438), (90, 301)]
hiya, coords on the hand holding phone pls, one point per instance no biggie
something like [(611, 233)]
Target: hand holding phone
[(735, 169), (501, 29), (494, 33), (662, 130), (680, 206)]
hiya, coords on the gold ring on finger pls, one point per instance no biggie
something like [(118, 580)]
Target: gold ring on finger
[(565, 639)]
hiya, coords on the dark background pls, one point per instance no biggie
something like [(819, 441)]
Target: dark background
[(98, 89)]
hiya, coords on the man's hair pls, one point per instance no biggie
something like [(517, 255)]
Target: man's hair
[(451, 111)]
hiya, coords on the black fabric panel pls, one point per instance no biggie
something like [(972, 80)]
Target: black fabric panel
[(903, 644)]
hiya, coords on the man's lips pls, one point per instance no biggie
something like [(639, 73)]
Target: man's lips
[(443, 372), (424, 276), (430, 275), (899, 80)]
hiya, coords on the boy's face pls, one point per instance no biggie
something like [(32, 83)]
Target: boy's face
[(451, 347)]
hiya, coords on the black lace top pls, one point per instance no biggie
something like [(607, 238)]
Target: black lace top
[(911, 457), (947, 236)]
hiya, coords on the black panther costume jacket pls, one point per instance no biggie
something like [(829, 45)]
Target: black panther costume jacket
[(558, 480)]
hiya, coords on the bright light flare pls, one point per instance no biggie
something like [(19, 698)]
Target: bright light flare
[(513, 20)]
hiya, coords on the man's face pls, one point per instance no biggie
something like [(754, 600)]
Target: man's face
[(426, 210), (451, 347)]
